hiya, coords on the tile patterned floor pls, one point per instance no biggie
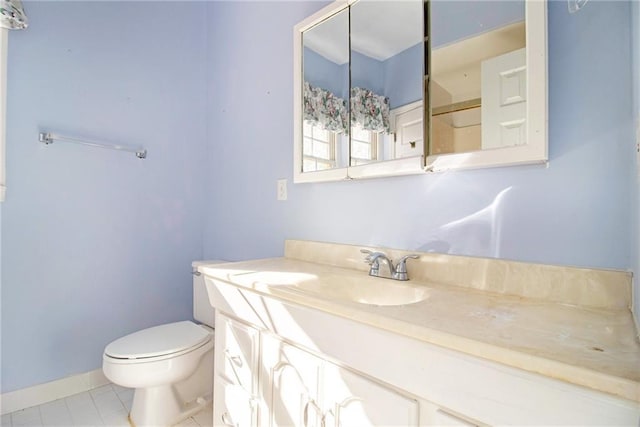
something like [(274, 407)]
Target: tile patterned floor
[(104, 406)]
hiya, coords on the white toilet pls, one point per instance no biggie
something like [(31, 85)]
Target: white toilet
[(170, 366)]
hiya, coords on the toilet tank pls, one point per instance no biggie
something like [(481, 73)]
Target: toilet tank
[(202, 309)]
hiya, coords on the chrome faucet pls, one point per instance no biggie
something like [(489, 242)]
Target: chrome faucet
[(375, 259)]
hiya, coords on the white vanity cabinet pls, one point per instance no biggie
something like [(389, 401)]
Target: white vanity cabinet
[(296, 387), (287, 363), (236, 369), (262, 380), (302, 389)]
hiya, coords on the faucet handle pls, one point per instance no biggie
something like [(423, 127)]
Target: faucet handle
[(372, 256), (401, 267), (402, 262), (372, 259)]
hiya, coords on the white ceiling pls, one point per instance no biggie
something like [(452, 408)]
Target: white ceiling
[(379, 29)]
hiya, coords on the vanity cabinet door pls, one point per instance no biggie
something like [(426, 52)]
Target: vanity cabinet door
[(235, 383), (354, 400), (302, 389), (291, 385), (232, 405)]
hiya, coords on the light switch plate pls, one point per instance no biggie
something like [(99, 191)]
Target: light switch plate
[(282, 189)]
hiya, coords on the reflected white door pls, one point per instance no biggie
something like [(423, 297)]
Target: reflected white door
[(504, 89), (408, 130)]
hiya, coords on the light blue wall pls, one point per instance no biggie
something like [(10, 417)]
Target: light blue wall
[(367, 72), (575, 212), (98, 243), (325, 74), (403, 75), (635, 195), (251, 129), (399, 77), (0, 296), (471, 17), (635, 55)]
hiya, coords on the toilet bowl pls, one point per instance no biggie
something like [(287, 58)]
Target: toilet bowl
[(170, 367)]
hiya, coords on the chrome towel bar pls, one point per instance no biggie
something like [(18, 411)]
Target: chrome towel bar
[(48, 138)]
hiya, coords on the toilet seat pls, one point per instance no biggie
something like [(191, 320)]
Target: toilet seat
[(158, 342)]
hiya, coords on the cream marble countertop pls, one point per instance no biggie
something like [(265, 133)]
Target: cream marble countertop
[(593, 347)]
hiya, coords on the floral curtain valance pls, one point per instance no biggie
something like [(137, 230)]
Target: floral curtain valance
[(322, 108), (369, 110), (12, 15)]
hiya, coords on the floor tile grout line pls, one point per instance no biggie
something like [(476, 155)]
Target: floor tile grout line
[(38, 409), (22, 410), (95, 406), (66, 405), (63, 404)]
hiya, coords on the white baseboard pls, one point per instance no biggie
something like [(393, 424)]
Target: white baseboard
[(47, 392)]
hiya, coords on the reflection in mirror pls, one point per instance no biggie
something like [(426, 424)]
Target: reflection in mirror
[(478, 75), (386, 80), (325, 61)]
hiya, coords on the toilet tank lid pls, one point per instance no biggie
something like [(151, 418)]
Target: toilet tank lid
[(208, 262), (158, 341)]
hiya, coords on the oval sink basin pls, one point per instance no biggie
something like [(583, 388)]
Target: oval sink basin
[(364, 291)]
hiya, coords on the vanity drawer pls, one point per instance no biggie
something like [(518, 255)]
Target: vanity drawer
[(236, 352)]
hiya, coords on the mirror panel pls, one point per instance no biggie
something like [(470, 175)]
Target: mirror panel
[(474, 64), (487, 86), (386, 80), (325, 110)]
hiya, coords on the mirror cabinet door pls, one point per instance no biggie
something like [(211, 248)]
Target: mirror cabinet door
[(386, 80), (487, 85), (325, 90), (478, 80)]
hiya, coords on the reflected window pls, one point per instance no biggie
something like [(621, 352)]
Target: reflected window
[(318, 148), (364, 146)]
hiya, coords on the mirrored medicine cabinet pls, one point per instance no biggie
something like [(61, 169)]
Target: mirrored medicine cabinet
[(397, 87)]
